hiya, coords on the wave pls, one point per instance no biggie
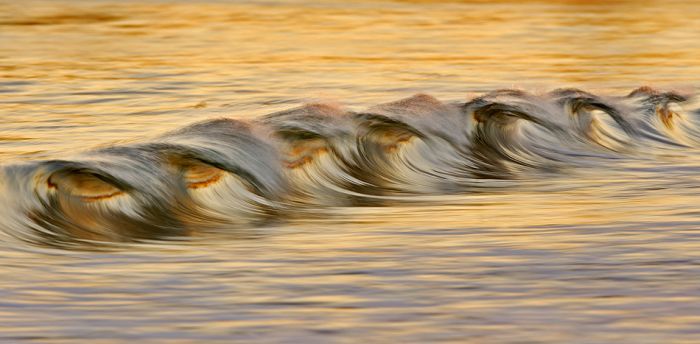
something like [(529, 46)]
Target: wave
[(228, 172)]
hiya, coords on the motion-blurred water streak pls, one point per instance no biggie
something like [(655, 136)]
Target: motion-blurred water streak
[(296, 171)]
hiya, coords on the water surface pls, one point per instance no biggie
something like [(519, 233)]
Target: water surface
[(576, 238)]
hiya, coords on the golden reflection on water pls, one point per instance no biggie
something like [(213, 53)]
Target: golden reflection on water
[(104, 71), (612, 259)]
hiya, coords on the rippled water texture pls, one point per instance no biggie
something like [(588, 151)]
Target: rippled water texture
[(408, 171)]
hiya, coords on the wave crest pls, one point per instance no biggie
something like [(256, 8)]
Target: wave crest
[(226, 172)]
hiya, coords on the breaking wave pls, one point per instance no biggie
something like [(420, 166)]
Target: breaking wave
[(228, 172)]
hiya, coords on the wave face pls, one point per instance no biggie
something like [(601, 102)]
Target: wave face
[(227, 172)]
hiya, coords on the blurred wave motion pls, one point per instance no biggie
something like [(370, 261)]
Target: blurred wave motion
[(394, 171), (226, 171)]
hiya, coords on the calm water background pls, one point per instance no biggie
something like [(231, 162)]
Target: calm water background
[(610, 255)]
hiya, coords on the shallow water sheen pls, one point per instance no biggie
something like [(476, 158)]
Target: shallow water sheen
[(333, 205)]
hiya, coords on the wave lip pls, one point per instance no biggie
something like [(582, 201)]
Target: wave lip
[(226, 172)]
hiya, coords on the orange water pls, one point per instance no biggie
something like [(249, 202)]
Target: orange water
[(616, 259)]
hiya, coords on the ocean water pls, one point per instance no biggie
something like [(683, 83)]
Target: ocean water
[(398, 171)]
